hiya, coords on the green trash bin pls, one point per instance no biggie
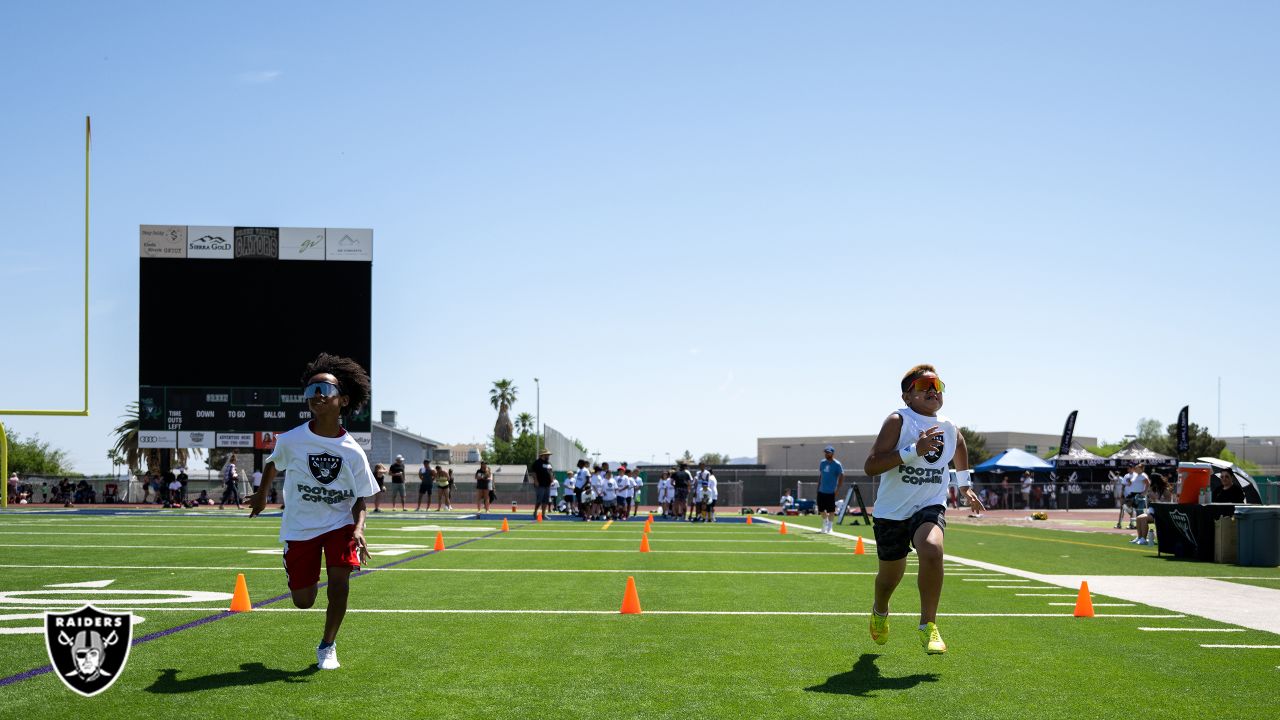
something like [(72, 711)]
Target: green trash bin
[(1259, 538)]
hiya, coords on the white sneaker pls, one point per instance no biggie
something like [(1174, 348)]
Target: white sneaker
[(1134, 541), (327, 657), (1142, 541)]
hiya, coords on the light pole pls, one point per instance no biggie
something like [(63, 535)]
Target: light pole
[(786, 457), (537, 412)]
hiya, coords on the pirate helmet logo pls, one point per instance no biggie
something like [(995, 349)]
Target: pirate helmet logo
[(88, 648), (324, 467)]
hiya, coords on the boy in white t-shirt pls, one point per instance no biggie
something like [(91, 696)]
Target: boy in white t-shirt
[(911, 455), (327, 478)]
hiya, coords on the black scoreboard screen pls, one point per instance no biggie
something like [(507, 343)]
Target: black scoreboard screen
[(230, 317)]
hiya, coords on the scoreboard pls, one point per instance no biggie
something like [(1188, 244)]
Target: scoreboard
[(229, 317)]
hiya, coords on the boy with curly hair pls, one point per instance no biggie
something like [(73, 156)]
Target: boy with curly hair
[(327, 479)]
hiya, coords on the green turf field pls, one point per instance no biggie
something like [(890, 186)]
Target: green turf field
[(738, 621)]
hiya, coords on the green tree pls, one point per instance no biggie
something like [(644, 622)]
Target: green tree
[(714, 458), (524, 423), (687, 457), (976, 443), (33, 456), (1249, 467), (1199, 443), (520, 451), (502, 396), (1151, 433)]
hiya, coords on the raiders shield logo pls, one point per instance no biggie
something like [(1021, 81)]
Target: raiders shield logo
[(88, 648), (324, 467), (936, 455)]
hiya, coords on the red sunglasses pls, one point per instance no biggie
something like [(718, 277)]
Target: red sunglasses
[(922, 384)]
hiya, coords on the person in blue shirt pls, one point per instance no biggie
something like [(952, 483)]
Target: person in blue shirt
[(832, 477)]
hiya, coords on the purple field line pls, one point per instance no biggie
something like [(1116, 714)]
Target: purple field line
[(35, 672)]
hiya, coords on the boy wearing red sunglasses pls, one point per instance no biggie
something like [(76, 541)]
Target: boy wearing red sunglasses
[(911, 455), (327, 478)]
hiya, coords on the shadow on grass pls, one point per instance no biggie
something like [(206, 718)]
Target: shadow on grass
[(865, 678), (248, 674)]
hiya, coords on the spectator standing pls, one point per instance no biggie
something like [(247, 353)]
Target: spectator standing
[(380, 479), (183, 480), (484, 483), (542, 473), (442, 489), (13, 485), (831, 477), (397, 482), (424, 485), (1027, 482), (230, 480), (680, 481)]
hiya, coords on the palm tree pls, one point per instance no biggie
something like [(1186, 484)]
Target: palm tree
[(126, 446), (502, 396), (524, 423)]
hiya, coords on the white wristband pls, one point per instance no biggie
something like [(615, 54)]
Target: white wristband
[(963, 479), (907, 453)]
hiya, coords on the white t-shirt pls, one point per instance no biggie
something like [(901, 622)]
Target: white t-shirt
[(624, 486), (324, 476), (1026, 484), (1138, 483), (609, 489), (580, 478), (175, 486), (257, 479), (922, 481), (786, 501), (713, 491)]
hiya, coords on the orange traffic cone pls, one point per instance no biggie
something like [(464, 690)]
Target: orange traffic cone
[(648, 524), (439, 541), (644, 542), (748, 519), (539, 517), (505, 527), (240, 598), (1084, 602), (630, 600), (783, 529), (858, 549)]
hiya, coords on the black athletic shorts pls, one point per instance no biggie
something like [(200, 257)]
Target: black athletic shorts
[(826, 502), (894, 537), (682, 494)]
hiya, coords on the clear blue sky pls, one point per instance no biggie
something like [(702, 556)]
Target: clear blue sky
[(697, 223)]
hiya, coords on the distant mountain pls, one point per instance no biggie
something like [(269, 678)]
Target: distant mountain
[(742, 461)]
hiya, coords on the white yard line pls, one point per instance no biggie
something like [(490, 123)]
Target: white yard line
[(1097, 604), (1179, 629), (481, 611), (1243, 647)]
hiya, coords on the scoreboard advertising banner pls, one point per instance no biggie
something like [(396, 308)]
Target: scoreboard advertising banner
[(229, 318)]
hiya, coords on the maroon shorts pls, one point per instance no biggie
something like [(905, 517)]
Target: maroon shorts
[(302, 557)]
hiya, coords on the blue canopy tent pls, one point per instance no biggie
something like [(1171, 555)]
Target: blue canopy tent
[(1014, 460)]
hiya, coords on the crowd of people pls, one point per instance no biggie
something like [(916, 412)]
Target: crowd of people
[(594, 492), (439, 481)]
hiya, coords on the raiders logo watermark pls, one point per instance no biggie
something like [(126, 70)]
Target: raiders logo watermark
[(324, 467), (89, 647)]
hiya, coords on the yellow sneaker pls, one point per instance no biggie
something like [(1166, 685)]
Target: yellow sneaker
[(931, 640), (879, 628)]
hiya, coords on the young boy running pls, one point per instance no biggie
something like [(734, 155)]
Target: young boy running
[(327, 478), (911, 456)]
